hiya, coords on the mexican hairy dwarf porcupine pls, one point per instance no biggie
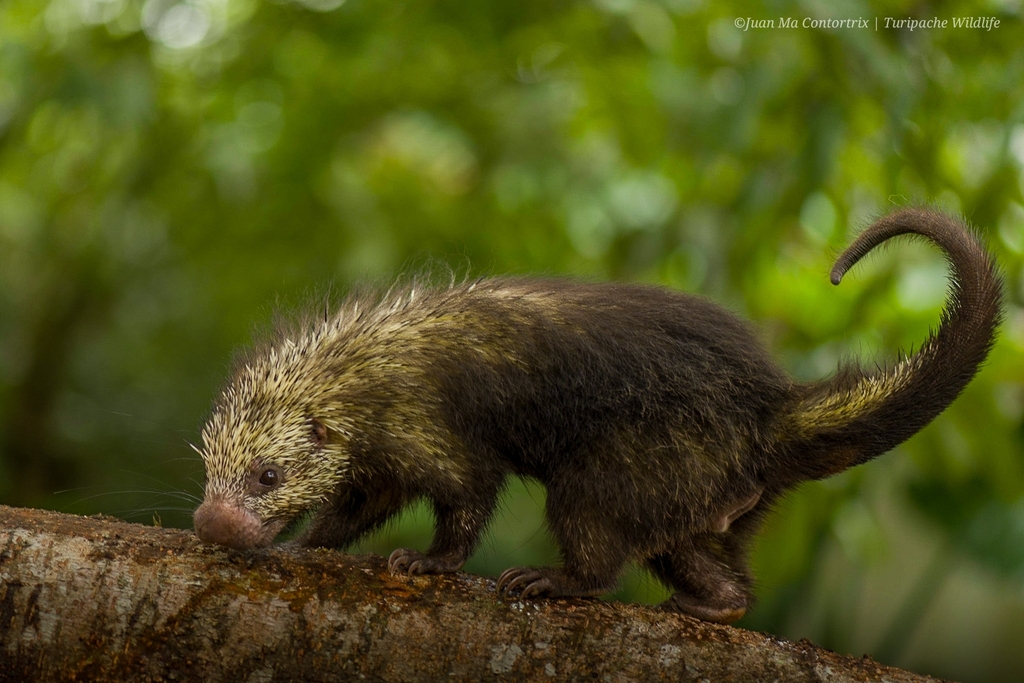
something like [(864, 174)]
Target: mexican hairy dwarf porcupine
[(660, 426)]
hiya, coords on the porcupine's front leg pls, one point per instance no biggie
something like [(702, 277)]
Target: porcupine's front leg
[(593, 551), (349, 515), (457, 528)]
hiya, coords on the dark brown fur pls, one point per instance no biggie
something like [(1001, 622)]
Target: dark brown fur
[(660, 426)]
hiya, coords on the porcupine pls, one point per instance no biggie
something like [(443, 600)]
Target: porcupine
[(658, 423)]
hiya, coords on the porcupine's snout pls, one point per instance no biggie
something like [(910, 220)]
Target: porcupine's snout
[(218, 521)]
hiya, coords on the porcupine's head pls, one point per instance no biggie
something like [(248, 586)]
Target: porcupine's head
[(271, 450)]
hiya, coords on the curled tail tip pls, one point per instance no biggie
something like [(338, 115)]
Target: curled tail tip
[(843, 264)]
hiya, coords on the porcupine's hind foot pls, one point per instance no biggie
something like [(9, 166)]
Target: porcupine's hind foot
[(705, 610), (549, 582), (408, 561)]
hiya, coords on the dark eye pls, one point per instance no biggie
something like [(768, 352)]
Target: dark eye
[(319, 432), (270, 478)]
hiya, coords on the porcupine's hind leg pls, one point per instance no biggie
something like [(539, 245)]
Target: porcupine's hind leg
[(708, 569), (708, 572)]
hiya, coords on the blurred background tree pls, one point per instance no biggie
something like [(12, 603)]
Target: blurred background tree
[(173, 171)]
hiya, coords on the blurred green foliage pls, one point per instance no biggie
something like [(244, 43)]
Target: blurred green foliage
[(171, 172)]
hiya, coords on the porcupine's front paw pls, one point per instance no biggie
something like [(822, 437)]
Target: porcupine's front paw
[(408, 561), (548, 582)]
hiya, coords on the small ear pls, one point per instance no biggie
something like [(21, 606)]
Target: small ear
[(319, 432), (722, 523)]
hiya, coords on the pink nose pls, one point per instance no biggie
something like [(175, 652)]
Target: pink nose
[(220, 522)]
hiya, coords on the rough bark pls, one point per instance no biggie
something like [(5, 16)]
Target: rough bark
[(95, 598)]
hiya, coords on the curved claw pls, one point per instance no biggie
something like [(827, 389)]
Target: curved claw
[(523, 582), (401, 559), (409, 562), (536, 588), (530, 582), (506, 576)]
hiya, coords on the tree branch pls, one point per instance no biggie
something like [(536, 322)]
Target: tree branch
[(95, 598)]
